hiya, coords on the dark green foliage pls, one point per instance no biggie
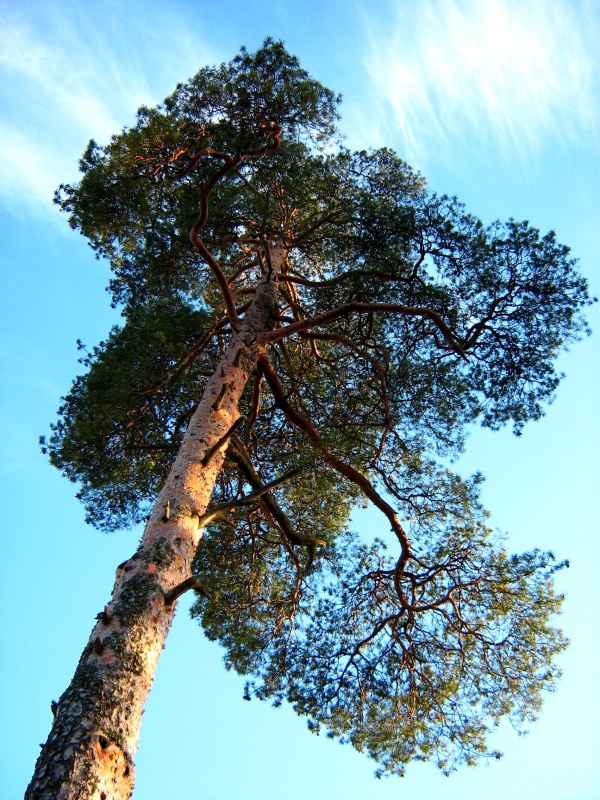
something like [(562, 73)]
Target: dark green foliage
[(118, 432), (435, 321), (138, 197)]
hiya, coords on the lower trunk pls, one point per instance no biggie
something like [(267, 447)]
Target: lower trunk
[(89, 753)]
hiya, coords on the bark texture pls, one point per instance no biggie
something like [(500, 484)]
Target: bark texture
[(89, 752)]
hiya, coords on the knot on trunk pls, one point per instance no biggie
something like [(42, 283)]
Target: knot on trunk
[(115, 770)]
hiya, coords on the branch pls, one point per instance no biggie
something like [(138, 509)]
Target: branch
[(276, 131), (316, 225), (336, 337), (224, 508), (447, 598), (175, 447), (351, 273), (209, 455), (230, 163), (239, 454), (182, 588), (191, 356), (249, 185), (207, 151), (346, 470), (475, 331), (185, 362), (253, 415), (364, 308)]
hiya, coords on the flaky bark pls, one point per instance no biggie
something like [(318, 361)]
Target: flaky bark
[(89, 753)]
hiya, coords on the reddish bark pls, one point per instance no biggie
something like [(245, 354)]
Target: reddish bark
[(90, 750)]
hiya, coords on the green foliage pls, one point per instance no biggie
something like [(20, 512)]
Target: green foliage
[(472, 644), (138, 197), (435, 321), (113, 437)]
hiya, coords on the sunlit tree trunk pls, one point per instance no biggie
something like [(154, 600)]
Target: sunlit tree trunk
[(89, 753)]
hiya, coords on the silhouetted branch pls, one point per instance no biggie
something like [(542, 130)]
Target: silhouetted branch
[(347, 470), (364, 308)]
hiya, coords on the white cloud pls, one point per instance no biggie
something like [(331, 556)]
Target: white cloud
[(68, 78), (469, 72)]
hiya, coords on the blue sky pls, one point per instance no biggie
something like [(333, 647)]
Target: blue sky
[(496, 102)]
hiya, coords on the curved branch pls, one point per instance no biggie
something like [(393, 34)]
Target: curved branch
[(447, 598), (182, 588), (316, 225), (365, 308), (346, 470), (207, 256), (244, 268), (351, 273), (276, 131), (207, 151), (239, 454)]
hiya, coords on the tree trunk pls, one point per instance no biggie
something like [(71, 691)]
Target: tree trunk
[(89, 753)]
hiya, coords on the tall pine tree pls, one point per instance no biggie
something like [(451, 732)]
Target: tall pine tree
[(305, 329)]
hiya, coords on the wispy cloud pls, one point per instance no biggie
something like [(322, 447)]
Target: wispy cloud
[(468, 73), (67, 80)]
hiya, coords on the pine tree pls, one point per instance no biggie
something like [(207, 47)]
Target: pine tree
[(305, 329)]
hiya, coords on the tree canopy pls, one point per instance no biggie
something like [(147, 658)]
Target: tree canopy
[(401, 320)]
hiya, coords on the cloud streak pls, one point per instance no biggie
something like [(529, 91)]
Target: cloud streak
[(66, 81), (468, 73)]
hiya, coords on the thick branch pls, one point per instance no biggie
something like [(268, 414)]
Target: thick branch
[(347, 470), (208, 456), (252, 416), (239, 454), (365, 308), (206, 151), (351, 273), (276, 131), (182, 588), (224, 508)]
